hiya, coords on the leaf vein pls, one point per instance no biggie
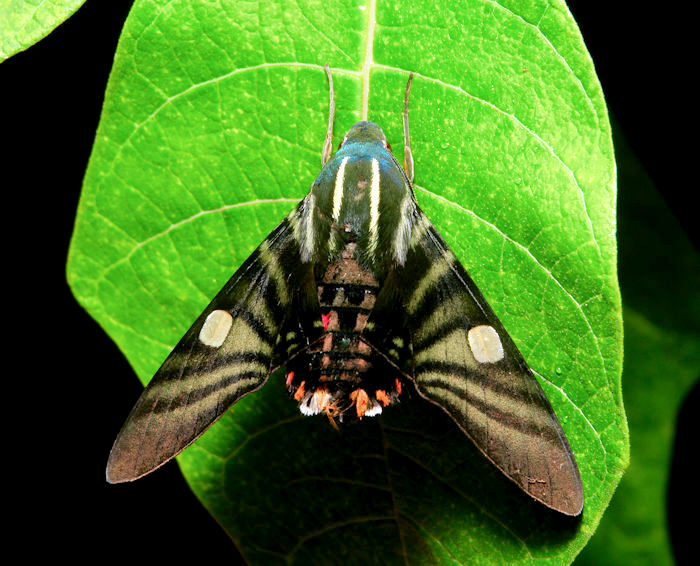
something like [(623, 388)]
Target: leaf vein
[(180, 223), (464, 496)]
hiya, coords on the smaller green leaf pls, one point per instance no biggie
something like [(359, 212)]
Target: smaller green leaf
[(24, 22)]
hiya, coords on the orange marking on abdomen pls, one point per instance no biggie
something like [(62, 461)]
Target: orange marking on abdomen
[(382, 397), (361, 400), (299, 393)]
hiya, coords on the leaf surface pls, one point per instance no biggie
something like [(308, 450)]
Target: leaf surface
[(212, 130), (24, 22)]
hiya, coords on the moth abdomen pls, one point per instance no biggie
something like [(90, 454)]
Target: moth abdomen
[(353, 294), (340, 374)]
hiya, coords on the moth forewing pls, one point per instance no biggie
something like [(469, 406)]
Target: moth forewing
[(465, 362), (227, 353)]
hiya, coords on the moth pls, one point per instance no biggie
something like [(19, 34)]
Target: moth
[(358, 296)]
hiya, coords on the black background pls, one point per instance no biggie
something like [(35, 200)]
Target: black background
[(51, 98)]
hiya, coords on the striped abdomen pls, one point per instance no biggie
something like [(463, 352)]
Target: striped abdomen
[(340, 374)]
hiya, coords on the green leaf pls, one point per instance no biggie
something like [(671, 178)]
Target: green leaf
[(662, 357), (212, 129), (24, 22)]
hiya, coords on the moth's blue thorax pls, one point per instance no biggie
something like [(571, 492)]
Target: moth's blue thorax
[(364, 133), (361, 195), (363, 143)]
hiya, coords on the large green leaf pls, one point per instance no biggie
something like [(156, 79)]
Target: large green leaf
[(212, 127), (661, 293), (24, 22)]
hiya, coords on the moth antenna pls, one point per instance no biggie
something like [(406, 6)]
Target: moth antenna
[(328, 144), (407, 154)]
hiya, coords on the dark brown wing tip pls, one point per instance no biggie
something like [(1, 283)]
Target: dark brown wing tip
[(577, 505), (123, 467), (577, 512), (565, 496), (116, 472), (572, 504), (568, 498), (113, 478), (571, 507)]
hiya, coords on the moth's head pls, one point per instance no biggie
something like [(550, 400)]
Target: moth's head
[(365, 132)]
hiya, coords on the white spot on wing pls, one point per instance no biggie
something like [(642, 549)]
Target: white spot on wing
[(216, 328), (485, 344)]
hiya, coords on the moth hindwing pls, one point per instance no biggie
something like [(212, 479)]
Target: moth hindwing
[(357, 295)]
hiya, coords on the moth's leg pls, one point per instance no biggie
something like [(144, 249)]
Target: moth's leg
[(407, 154), (328, 144)]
